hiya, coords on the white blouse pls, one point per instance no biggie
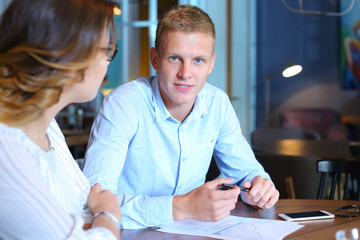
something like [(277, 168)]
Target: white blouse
[(42, 194)]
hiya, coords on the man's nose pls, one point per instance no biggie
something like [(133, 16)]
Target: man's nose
[(185, 70)]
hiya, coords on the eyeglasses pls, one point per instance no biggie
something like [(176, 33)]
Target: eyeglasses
[(348, 211), (111, 51)]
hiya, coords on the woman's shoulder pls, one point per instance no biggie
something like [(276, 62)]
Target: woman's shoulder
[(12, 137), (17, 151)]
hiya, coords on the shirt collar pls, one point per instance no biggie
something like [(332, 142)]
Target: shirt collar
[(161, 111), (199, 109)]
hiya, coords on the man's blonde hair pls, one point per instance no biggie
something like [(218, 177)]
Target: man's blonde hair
[(186, 18)]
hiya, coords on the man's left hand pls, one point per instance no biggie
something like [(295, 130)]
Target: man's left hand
[(263, 193)]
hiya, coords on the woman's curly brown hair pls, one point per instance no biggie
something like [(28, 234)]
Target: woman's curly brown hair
[(50, 45)]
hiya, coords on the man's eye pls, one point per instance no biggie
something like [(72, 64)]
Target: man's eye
[(174, 59), (199, 60)]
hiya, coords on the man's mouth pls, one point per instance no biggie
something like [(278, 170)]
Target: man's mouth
[(183, 87)]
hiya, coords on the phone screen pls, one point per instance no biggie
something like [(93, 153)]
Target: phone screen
[(306, 214)]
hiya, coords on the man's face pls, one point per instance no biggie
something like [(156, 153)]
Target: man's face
[(183, 62)]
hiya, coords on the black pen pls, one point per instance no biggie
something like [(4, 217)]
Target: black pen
[(244, 189), (225, 186)]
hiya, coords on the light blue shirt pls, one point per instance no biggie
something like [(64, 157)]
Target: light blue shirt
[(138, 150)]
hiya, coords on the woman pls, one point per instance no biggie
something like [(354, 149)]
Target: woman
[(52, 53)]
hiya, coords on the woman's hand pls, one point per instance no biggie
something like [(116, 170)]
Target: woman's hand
[(104, 201)]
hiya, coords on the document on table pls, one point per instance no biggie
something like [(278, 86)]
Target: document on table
[(233, 227)]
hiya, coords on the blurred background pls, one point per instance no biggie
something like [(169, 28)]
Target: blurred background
[(256, 40)]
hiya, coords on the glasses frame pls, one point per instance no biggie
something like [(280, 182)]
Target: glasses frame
[(354, 211), (111, 51)]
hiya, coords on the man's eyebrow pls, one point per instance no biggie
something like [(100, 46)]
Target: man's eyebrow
[(172, 54), (203, 57)]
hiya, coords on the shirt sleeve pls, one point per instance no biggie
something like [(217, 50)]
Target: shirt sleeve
[(28, 209), (112, 131), (233, 153), (143, 211)]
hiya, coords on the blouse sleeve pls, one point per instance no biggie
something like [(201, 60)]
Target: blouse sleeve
[(27, 208)]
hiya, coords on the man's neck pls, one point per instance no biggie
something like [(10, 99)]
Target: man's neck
[(180, 113)]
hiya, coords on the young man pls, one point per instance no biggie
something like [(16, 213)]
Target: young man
[(154, 137)]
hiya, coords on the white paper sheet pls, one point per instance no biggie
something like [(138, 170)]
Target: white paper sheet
[(233, 227)]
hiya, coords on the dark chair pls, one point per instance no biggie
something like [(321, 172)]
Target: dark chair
[(213, 171), (335, 168), (273, 134), (293, 176)]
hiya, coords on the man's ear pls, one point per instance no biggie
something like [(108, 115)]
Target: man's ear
[(154, 58)]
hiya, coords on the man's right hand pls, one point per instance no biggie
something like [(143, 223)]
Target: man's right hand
[(205, 203)]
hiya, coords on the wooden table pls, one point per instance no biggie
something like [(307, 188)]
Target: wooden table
[(318, 229), (323, 149), (76, 136)]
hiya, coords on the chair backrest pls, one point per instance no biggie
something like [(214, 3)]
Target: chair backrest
[(336, 168), (213, 171), (287, 172), (273, 134), (293, 176)]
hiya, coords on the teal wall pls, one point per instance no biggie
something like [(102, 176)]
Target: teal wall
[(114, 72)]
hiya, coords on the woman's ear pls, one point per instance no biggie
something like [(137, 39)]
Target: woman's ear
[(154, 58)]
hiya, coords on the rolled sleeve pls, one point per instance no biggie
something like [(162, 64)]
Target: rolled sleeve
[(143, 211)]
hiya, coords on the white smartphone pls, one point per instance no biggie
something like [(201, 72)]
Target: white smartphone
[(303, 216)]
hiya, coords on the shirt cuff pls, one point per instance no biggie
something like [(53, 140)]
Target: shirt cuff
[(158, 210), (147, 212)]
